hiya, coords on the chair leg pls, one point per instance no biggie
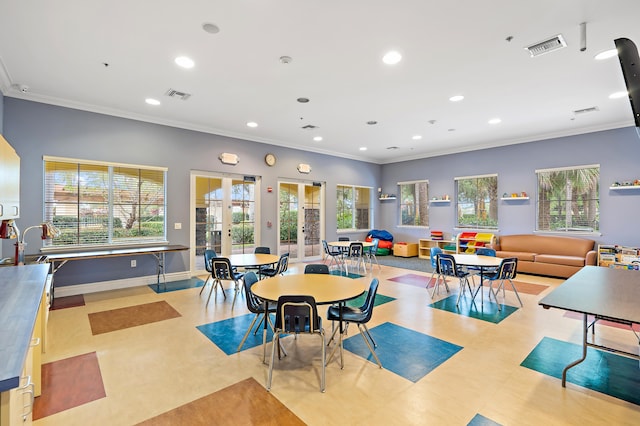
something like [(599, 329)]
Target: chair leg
[(205, 284), (324, 359), (214, 286), (276, 341), (515, 291), (255, 318), (375, 345), (369, 345)]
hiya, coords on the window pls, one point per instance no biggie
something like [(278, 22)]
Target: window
[(414, 203), (477, 201), (353, 207), (95, 203), (568, 199)]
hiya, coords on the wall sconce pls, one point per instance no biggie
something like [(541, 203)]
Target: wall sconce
[(304, 168), (227, 158)]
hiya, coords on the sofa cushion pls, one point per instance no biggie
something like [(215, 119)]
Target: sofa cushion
[(522, 256), (560, 260), (548, 244)]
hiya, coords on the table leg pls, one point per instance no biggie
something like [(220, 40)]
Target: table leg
[(264, 332), (585, 332)]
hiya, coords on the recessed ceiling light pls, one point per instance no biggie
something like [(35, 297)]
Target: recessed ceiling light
[(606, 54), (363, 148), (495, 121), (317, 138), (392, 57), (210, 28), (252, 124), (456, 98), (184, 62), (416, 137), (303, 100), (372, 122), (152, 101), (618, 95)]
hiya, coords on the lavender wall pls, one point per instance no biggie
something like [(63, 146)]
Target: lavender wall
[(615, 150), (36, 129)]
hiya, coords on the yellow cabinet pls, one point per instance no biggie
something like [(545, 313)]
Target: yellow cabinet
[(9, 181)]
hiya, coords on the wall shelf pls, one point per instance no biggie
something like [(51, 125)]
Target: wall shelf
[(514, 198), (624, 187), (439, 201), (386, 198)]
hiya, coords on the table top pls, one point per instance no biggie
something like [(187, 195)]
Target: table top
[(346, 244), (323, 287), (253, 259), (123, 251), (21, 289), (606, 292), (476, 260)]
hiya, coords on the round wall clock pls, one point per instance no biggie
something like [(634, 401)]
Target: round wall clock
[(270, 159)]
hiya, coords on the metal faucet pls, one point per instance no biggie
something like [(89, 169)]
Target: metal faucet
[(49, 230)]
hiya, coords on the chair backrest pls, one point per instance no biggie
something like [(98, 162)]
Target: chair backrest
[(262, 250), (374, 248), (343, 238), (356, 249), (254, 304), (507, 268), (447, 265), (316, 268), (297, 314), (369, 302), (330, 251), (434, 252), (486, 251), (283, 263), (221, 268), (208, 255)]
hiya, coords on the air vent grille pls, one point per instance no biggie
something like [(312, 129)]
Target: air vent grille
[(586, 110), (546, 46), (172, 93)]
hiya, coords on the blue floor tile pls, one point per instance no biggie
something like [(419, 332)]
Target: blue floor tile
[(485, 312), (176, 285), (227, 334), (405, 352), (341, 273), (604, 372), (480, 420)]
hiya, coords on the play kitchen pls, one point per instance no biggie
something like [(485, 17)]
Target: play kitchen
[(23, 302)]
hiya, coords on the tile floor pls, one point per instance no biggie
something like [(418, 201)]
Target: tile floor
[(169, 372)]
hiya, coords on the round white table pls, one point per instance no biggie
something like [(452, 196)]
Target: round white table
[(483, 263)]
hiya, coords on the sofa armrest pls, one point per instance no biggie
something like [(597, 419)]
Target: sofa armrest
[(591, 258), (495, 246)]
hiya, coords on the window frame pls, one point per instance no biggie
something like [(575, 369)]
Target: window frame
[(569, 230), (115, 174), (417, 206), (493, 207), (354, 208)]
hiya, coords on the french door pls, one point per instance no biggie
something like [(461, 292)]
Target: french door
[(224, 215), (301, 219)]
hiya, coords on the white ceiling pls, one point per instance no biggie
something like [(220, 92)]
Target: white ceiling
[(58, 50)]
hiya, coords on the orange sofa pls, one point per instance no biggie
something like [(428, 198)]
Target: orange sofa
[(547, 254)]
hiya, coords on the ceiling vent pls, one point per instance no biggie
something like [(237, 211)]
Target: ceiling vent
[(309, 127), (546, 46), (586, 110), (172, 93)]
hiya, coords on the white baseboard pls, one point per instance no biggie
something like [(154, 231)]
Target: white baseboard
[(73, 290)]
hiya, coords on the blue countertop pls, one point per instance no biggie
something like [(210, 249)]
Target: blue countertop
[(21, 289)]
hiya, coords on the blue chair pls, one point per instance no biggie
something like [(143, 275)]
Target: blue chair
[(334, 253), (434, 252), (255, 306), (316, 268), (297, 315), (371, 253), (209, 254), (448, 268), (505, 272), (483, 251), (280, 268), (222, 271), (360, 316)]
